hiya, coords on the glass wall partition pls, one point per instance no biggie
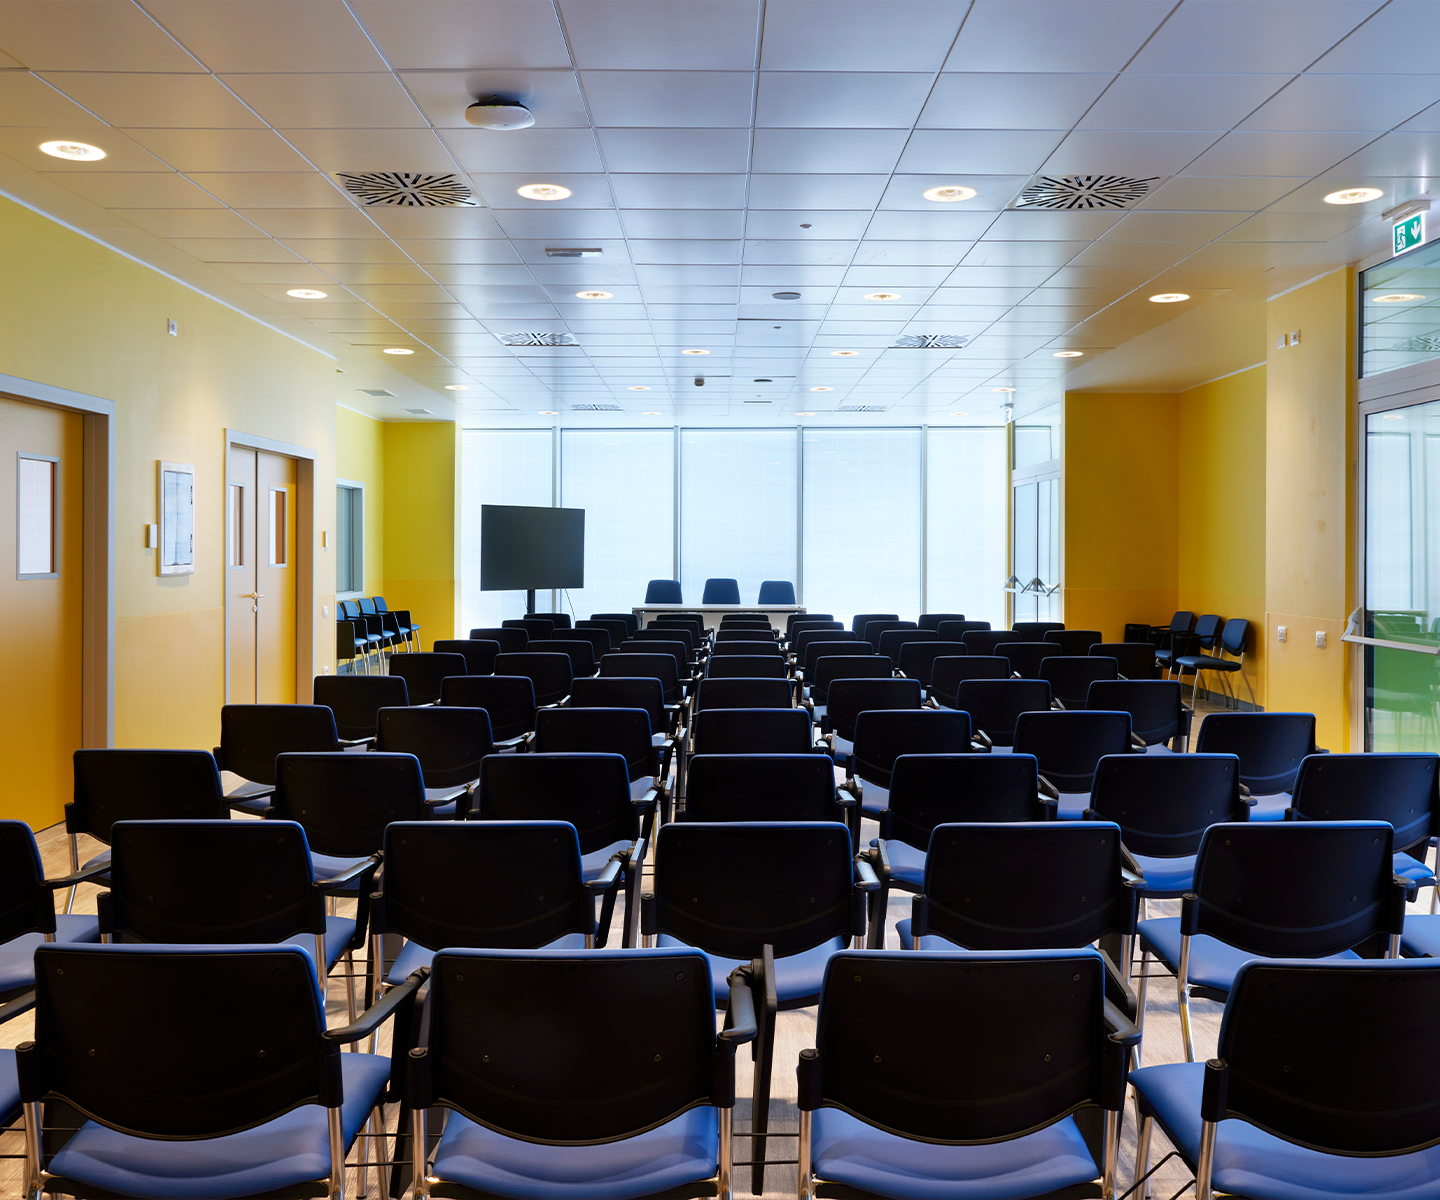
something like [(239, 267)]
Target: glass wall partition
[(1400, 311), (1035, 516), (965, 523)]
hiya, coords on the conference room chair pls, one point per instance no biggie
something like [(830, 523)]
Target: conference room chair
[(1328, 888), (1069, 747), (164, 888), (750, 645), (779, 898), (751, 731), (663, 667), (1197, 640), (615, 628), (1250, 1119), (721, 591), (1035, 630), (408, 627), (581, 654), (814, 651), (848, 698), (736, 624), (592, 792), (135, 785), (253, 736), (873, 630), (891, 640), (669, 1133), (635, 692), (663, 591), (424, 672), (599, 640), (1074, 641), (884, 735), (632, 621), (932, 621), (479, 655), (508, 700), (385, 625), (1159, 720), (1270, 745), (930, 790), (551, 674), (745, 666), (369, 634), (349, 646), (560, 620), (622, 731), (1135, 660), (449, 742), (744, 693), (27, 908), (763, 787), (800, 644), (794, 618), (685, 668), (795, 628), (669, 633), (776, 591), (511, 641), (984, 641), (176, 1017), (948, 672), (1231, 641), (356, 699), (1070, 676), (695, 625), (995, 705), (743, 633), (1025, 657), (954, 631), (917, 659), (860, 620), (537, 628), (831, 667), (926, 1071)]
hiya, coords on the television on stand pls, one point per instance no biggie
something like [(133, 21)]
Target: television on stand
[(523, 549)]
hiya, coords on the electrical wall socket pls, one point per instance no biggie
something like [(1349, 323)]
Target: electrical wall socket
[(1294, 337), (324, 668), (1320, 639), (172, 327), (1280, 632)]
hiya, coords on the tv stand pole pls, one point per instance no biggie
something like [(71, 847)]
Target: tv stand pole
[(530, 602)]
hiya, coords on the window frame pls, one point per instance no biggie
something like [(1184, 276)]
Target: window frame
[(24, 456), (356, 538)]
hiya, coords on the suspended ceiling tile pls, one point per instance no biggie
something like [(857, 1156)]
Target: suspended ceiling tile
[(140, 189), (235, 249), (675, 275), (1375, 102), (88, 35), (816, 191), (684, 223), (1400, 37), (1035, 35), (1156, 256), (679, 191), (22, 142), (375, 324), (1051, 226), (1145, 155), (845, 100), (1234, 36), (685, 251), (1395, 154), (993, 192), (985, 151), (313, 222), (1002, 100), (560, 293), (450, 34), (805, 225), (500, 294), (1263, 152), (790, 276), (190, 150), (970, 297), (1171, 227), (823, 253), (1219, 193), (269, 35), (466, 223), (1293, 227), (1139, 101), (580, 310), (561, 225), (720, 35), (347, 250), (285, 275), (534, 250), (861, 151), (352, 274), (570, 151), (1023, 254), (911, 254), (659, 99), (590, 190), (707, 151), (156, 100), (337, 100), (189, 222), (260, 189), (854, 35), (891, 277), (941, 224), (583, 273), (1098, 276), (1007, 276), (552, 96)]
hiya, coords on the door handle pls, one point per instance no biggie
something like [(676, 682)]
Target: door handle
[(253, 596)]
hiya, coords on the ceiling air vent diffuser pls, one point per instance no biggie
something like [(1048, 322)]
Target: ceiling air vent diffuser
[(376, 392), (930, 341), (1085, 191), (596, 408), (1425, 343), (849, 408), (408, 189), (538, 339)]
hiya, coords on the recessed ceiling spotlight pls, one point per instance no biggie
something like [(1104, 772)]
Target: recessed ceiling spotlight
[(649, 414), (694, 352), (805, 414), (785, 295), (457, 387), (74, 151), (638, 388), (1002, 389), (1067, 354), (1169, 297), (844, 353), (548, 412), (398, 350), (306, 294), (882, 295), (964, 414), (822, 389), (595, 295), (1394, 416), (1354, 196), (948, 195), (543, 191), (1398, 298)]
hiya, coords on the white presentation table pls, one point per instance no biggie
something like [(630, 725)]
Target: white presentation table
[(711, 613)]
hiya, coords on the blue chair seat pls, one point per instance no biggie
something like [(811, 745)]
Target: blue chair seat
[(1270, 807), (933, 941), (682, 1151), (290, 1150), (327, 866), (592, 865), (907, 864), (1250, 1162), (1166, 877), (1159, 748), (1206, 662), (1409, 868), (846, 1150), (9, 1088), (17, 956), (874, 799), (413, 956), (1072, 805), (797, 976), (1213, 963), (1421, 938), (339, 932)]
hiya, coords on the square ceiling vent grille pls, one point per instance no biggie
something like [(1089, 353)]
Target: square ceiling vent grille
[(596, 408), (852, 408), (538, 339), (930, 341), (408, 189), (1086, 191)]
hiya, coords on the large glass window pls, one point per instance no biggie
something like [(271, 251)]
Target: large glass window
[(965, 523), (862, 520), (349, 538), (1400, 311), (498, 466), (624, 479), (737, 508)]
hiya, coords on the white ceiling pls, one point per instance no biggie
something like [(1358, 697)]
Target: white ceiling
[(719, 151)]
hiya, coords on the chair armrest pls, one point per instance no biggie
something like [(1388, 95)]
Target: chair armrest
[(445, 796), (1051, 805), (741, 1018), (17, 1007), (365, 741), (979, 735), (1123, 1031), (65, 881), (380, 1012), (1138, 743), (868, 881), (1118, 990), (607, 878), (1049, 789), (346, 877)]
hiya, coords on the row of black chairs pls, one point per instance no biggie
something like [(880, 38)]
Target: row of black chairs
[(368, 626)]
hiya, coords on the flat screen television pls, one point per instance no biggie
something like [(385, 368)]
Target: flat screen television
[(522, 549)]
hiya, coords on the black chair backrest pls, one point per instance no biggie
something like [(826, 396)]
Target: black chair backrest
[(344, 801), (1070, 676), (581, 654), (622, 691), (623, 731), (860, 620), (848, 698), (367, 606), (830, 667), (917, 659), (253, 736), (599, 639), (356, 699), (1232, 637), (931, 1046), (510, 884), (346, 645), (559, 619), (995, 705), (1164, 803), (892, 640), (873, 630), (509, 700), (1156, 706), (927, 790), (795, 618), (760, 787), (1182, 622), (750, 645), (691, 625), (1207, 628), (954, 631), (632, 622), (751, 731), (142, 785), (1025, 657), (26, 904), (744, 693), (1328, 886), (1135, 660), (737, 632), (676, 650), (448, 740), (972, 897), (1036, 630), (883, 735), (985, 641), (816, 650), (932, 620), (745, 666), (162, 882), (551, 674), (536, 628), (1270, 745), (510, 641), (795, 628), (479, 654), (589, 791), (948, 671), (732, 889), (802, 641), (1074, 641), (616, 629), (1070, 745), (656, 666), (1399, 789), (424, 672), (669, 633)]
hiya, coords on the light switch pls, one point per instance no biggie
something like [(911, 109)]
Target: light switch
[(152, 536), (324, 610), (1279, 633), (1280, 342), (1319, 639), (324, 539)]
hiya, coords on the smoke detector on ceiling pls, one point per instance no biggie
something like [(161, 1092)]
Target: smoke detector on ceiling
[(494, 112)]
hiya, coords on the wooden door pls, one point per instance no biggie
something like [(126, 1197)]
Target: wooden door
[(41, 590), (261, 494), (241, 593)]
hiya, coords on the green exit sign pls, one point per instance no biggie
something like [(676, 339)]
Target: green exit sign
[(1408, 233)]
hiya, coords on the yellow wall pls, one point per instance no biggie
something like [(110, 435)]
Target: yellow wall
[(1309, 510), (79, 316), (1119, 510), (1221, 478), (360, 458), (421, 536)]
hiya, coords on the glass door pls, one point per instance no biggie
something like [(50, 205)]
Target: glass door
[(1035, 525)]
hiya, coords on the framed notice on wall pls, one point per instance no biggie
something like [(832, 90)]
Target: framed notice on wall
[(177, 519)]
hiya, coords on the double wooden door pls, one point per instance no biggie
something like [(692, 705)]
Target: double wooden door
[(260, 501)]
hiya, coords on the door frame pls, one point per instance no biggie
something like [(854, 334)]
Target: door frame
[(97, 575), (304, 552)]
